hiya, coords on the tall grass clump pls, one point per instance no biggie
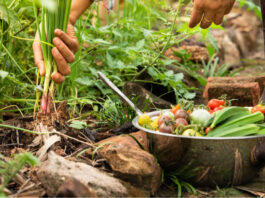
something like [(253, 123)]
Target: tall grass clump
[(50, 20)]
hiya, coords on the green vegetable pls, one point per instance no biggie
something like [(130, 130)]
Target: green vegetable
[(51, 20), (249, 129), (226, 113), (261, 132), (239, 121)]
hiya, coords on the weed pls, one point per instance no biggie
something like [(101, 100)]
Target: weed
[(9, 169)]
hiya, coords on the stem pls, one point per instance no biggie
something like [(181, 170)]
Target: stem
[(167, 43)]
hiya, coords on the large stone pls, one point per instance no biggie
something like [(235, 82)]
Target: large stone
[(228, 50), (134, 90), (56, 170), (131, 163)]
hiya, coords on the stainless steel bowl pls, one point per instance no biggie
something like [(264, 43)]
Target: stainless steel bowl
[(221, 161)]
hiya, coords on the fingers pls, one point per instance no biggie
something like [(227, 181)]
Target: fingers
[(218, 19), (57, 77), (64, 50), (69, 39), (207, 19), (229, 8), (62, 65), (196, 16), (38, 56)]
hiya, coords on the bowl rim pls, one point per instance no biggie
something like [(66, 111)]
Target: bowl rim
[(156, 113)]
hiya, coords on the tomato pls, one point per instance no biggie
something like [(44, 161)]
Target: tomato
[(175, 109), (166, 117), (213, 103), (181, 114), (216, 109), (258, 108), (144, 119), (208, 130), (164, 128)]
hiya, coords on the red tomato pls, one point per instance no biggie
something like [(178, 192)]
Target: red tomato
[(216, 109), (175, 109), (213, 103), (208, 130), (258, 108)]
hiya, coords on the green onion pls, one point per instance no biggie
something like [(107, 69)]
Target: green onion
[(51, 20)]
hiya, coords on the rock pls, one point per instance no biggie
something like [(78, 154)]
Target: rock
[(246, 94), (228, 51), (198, 53), (57, 170), (74, 188), (130, 163), (128, 140), (246, 24), (133, 90)]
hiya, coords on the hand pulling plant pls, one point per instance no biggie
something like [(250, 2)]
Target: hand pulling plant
[(50, 20)]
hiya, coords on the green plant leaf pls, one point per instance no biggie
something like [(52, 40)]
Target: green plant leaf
[(78, 124)]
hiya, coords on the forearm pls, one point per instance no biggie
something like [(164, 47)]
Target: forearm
[(78, 8)]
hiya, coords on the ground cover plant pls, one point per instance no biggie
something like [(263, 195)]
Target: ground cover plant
[(130, 48)]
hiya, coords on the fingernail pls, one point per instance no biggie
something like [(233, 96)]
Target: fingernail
[(55, 41), (57, 31)]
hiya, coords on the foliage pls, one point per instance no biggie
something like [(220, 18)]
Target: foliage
[(180, 176), (251, 6), (9, 169)]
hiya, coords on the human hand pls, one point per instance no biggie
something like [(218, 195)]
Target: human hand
[(66, 44), (207, 12)]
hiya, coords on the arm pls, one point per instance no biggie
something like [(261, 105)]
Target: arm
[(66, 44), (207, 12)]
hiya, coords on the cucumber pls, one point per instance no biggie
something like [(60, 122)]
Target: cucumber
[(226, 113), (249, 129), (261, 132), (241, 121), (234, 117)]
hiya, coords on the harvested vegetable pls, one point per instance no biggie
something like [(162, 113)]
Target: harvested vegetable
[(189, 132), (200, 116), (144, 120), (51, 20), (164, 128), (182, 114), (214, 103), (225, 114), (258, 108), (181, 122), (175, 109), (166, 117)]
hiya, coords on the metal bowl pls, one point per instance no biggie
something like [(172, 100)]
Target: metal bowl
[(221, 161)]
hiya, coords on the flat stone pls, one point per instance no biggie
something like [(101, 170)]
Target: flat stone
[(56, 170)]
